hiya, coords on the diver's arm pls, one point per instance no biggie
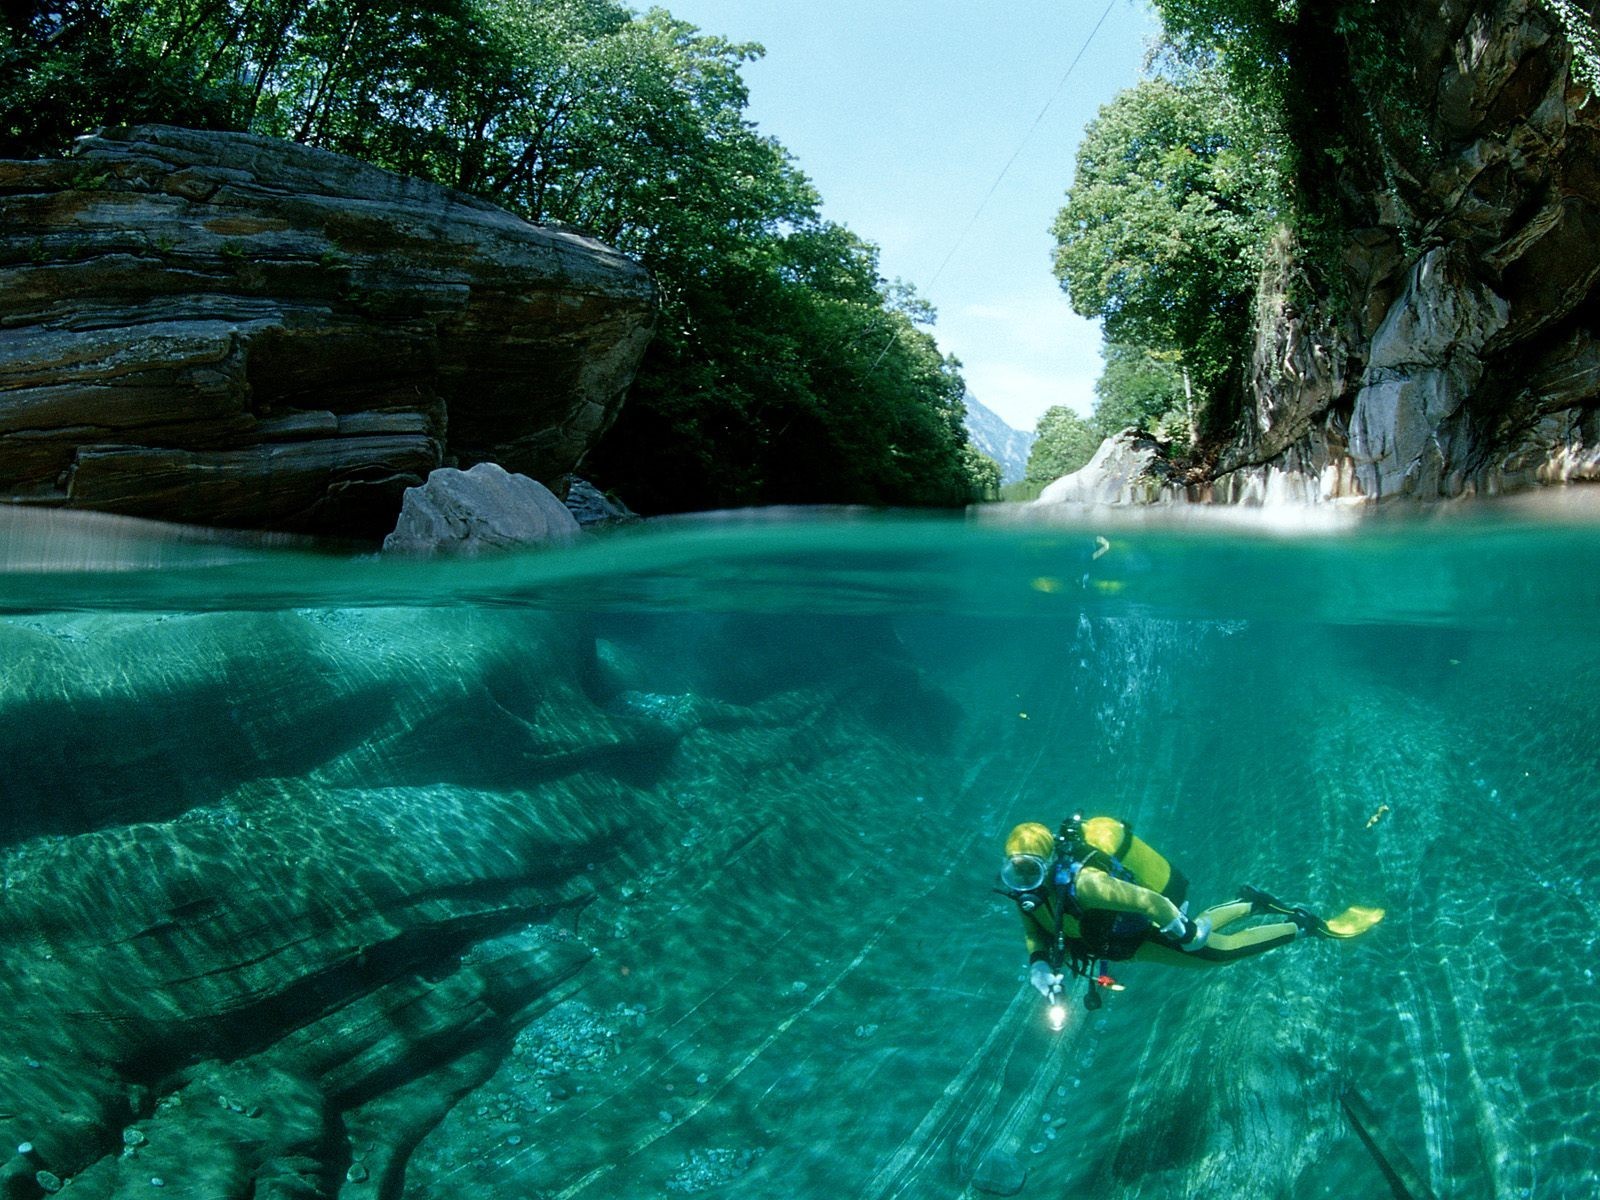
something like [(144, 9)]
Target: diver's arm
[(1038, 947), (1041, 974), (1096, 889)]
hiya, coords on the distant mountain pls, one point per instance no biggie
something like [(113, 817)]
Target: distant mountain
[(1007, 446)]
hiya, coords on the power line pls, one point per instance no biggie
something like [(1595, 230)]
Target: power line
[(1022, 145), (1010, 162)]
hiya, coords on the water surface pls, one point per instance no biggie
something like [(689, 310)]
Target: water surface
[(661, 866)]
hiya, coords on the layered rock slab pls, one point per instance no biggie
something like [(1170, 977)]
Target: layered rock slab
[(280, 888), (225, 329)]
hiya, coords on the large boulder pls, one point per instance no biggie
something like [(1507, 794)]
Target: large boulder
[(486, 508), (232, 330), (594, 509), (1129, 468)]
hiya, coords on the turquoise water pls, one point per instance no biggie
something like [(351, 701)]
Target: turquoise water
[(661, 867)]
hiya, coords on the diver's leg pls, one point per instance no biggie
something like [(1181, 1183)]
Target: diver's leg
[(1226, 914), (1255, 940), (1222, 948)]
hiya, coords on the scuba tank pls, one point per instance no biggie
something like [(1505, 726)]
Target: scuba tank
[(1115, 840)]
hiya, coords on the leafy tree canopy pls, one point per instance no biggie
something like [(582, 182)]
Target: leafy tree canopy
[(1165, 224), (984, 469), (1140, 389), (1065, 442), (786, 368)]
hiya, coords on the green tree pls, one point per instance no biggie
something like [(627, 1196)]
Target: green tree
[(1140, 389), (1165, 226), (984, 470), (785, 369), (1065, 443), (819, 387)]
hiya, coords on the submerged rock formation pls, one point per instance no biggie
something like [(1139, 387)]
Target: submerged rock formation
[(230, 330), (660, 888), (265, 925)]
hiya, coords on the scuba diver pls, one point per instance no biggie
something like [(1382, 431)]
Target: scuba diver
[(1094, 893)]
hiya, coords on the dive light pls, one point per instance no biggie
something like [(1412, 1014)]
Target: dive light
[(1058, 1010)]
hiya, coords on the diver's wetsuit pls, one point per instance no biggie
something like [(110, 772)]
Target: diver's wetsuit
[(1097, 890)]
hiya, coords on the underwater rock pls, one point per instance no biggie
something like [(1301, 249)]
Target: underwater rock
[(225, 329), (279, 889), (485, 508), (1000, 1174), (289, 893)]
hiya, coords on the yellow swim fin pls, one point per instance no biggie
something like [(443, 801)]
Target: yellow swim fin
[(1352, 922)]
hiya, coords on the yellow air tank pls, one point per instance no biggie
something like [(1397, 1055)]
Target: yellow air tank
[(1148, 868)]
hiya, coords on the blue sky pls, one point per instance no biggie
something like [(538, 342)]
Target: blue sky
[(904, 114)]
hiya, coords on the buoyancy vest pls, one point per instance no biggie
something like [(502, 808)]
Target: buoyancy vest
[(1109, 845), (1115, 840)]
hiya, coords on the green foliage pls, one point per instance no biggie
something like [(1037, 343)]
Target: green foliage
[(1336, 85), (785, 370), (821, 392), (1065, 442), (1165, 224), (984, 470), (1021, 491), (1582, 36), (1140, 389)]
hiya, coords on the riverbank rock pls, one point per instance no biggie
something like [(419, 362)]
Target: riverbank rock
[(1455, 351), (224, 329), (1129, 468), (1461, 361), (486, 508), (593, 508)]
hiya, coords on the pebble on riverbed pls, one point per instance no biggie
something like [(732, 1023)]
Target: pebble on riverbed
[(703, 1170)]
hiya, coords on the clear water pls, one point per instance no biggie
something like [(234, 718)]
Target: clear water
[(661, 867)]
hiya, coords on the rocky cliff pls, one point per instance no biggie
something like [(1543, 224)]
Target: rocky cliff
[(1460, 352), (229, 330)]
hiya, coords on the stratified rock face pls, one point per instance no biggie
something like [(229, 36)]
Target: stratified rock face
[(1468, 364), (486, 508), (231, 330)]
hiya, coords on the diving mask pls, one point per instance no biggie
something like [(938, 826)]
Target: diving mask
[(1022, 878)]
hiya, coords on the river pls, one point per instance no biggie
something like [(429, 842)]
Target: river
[(662, 865)]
